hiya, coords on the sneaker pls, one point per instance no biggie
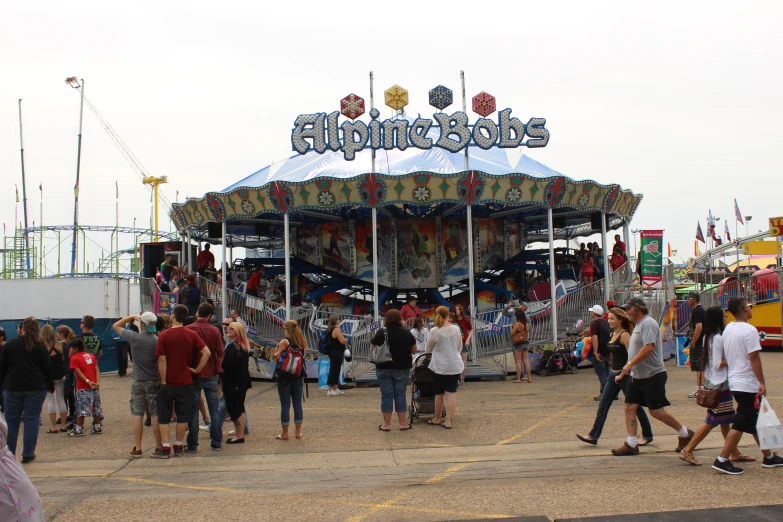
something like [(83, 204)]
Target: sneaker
[(96, 431), (684, 441), (162, 453), (339, 392), (773, 461), (179, 450), (70, 426), (332, 393), (597, 397), (625, 450), (135, 453), (204, 428), (148, 422), (215, 448), (693, 395), (26, 460), (188, 449), (76, 433), (727, 467)]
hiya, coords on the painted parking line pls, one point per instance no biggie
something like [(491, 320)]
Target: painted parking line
[(534, 427)]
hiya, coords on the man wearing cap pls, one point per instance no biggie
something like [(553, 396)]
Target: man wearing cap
[(145, 379), (600, 334), (648, 379), (609, 305), (695, 339), (410, 311)]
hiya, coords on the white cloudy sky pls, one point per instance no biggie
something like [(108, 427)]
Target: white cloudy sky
[(680, 101)]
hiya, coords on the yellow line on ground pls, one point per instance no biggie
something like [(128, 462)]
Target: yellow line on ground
[(420, 510), (534, 427), (178, 486), (390, 503)]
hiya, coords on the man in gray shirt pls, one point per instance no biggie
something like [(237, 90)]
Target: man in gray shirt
[(648, 379), (145, 383)]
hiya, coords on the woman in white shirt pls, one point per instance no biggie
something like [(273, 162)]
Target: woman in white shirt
[(716, 378), (420, 333), (445, 345)]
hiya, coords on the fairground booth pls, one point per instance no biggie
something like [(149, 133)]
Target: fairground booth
[(371, 212)]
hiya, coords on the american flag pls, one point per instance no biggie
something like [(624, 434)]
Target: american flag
[(699, 234)]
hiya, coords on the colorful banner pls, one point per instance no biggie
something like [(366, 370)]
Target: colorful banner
[(364, 257), (491, 248), (336, 241), (454, 235), (307, 244), (165, 302), (652, 257), (514, 233), (416, 254)]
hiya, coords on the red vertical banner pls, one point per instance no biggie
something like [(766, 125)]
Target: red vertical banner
[(652, 257)]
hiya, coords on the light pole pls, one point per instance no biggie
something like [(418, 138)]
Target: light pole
[(747, 222), (74, 83)]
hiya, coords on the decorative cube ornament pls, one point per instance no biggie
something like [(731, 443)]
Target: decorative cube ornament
[(483, 104), (352, 106), (441, 97), (396, 97)]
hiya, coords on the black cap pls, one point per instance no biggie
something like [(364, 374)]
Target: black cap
[(634, 301), (694, 295)]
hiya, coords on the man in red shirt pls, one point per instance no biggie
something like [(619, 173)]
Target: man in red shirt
[(207, 380), (177, 349), (619, 243), (410, 311), (88, 380), (203, 259), (254, 283)]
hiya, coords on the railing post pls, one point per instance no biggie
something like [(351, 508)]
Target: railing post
[(224, 271), (606, 258), (287, 254)]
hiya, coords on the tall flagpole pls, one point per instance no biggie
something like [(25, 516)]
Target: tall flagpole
[(40, 241), (24, 189), (471, 285)]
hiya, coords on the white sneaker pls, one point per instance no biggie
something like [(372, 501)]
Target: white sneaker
[(204, 428), (232, 432), (339, 392), (332, 393)]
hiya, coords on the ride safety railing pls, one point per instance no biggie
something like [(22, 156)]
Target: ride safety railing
[(148, 291)]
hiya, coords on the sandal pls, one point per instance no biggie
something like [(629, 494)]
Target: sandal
[(236, 441), (433, 423), (743, 458), (380, 428), (529, 379), (442, 425), (406, 429), (518, 381), (689, 458), (53, 431), (278, 437)]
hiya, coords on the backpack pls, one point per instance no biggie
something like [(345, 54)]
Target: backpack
[(604, 334), (194, 295), (323, 344), (291, 366)]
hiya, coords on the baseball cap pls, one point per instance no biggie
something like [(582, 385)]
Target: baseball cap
[(634, 301), (150, 321), (610, 304), (694, 295), (596, 309)]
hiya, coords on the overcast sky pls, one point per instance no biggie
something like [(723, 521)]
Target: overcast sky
[(680, 102)]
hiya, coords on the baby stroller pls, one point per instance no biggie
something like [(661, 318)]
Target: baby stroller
[(560, 361), (422, 393)]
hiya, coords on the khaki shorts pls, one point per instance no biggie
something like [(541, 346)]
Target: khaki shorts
[(142, 395)]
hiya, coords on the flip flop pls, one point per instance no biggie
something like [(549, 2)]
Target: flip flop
[(743, 458), (643, 442), (280, 437), (406, 429), (690, 459), (434, 423), (380, 428), (445, 427), (53, 431)]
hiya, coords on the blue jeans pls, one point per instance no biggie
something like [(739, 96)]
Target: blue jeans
[(393, 384), (224, 414), (210, 387), (291, 393), (605, 402), (601, 369), (29, 404)]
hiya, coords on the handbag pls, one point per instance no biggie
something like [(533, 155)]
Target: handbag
[(519, 337), (382, 354), (707, 398)]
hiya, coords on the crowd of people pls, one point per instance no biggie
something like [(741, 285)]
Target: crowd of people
[(184, 366)]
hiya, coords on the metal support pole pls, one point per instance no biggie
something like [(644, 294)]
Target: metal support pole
[(606, 258), (190, 252), (75, 246), (375, 303), (552, 276), (287, 254), (223, 287), (471, 282), (182, 250), (24, 192)]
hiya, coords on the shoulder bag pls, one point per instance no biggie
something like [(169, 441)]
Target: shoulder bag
[(707, 398), (382, 354), (520, 336)]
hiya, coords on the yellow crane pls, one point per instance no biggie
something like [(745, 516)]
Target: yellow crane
[(154, 182)]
